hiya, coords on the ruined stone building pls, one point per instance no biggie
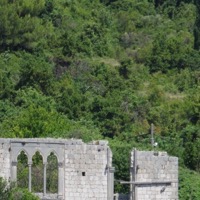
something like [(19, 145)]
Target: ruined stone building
[(85, 172)]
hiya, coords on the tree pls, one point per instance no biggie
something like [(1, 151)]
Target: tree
[(191, 142), (4, 189), (21, 27), (196, 27), (9, 191)]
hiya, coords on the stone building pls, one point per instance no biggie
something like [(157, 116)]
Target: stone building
[(85, 172), (153, 176)]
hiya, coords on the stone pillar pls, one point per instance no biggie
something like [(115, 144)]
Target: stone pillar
[(45, 179), (14, 171), (111, 171), (110, 175), (133, 174), (60, 180), (29, 176)]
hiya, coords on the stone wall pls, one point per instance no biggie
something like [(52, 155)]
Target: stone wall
[(155, 176), (84, 170), (5, 159)]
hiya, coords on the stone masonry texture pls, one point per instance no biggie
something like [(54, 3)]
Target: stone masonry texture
[(83, 169), (5, 163), (155, 175), (85, 172)]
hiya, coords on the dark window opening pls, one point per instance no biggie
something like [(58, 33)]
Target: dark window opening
[(83, 173)]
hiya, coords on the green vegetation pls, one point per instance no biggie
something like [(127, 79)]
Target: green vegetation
[(9, 191), (95, 69)]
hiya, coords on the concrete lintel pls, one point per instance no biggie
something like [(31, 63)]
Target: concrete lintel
[(148, 183)]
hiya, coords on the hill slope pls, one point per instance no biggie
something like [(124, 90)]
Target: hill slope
[(102, 69)]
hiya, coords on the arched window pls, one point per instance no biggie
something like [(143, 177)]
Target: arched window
[(39, 167), (52, 174), (22, 170), (37, 173)]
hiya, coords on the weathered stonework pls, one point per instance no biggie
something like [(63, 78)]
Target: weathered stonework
[(5, 162), (86, 167), (155, 176), (84, 170)]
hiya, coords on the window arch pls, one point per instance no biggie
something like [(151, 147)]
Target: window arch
[(52, 173), (22, 170), (37, 172), (43, 173)]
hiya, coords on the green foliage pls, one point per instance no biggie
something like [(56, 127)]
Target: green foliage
[(9, 74), (21, 27), (191, 139), (188, 184), (121, 163), (4, 190), (168, 53), (52, 174), (103, 69), (22, 170), (37, 172), (35, 72), (9, 191), (22, 194), (196, 29)]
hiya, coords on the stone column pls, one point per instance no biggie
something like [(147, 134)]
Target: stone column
[(111, 171), (29, 176), (14, 171), (45, 179), (133, 174), (110, 175), (60, 180)]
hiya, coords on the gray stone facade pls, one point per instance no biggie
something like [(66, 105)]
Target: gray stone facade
[(154, 176), (5, 159), (84, 170)]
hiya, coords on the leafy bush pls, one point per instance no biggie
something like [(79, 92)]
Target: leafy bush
[(189, 183), (22, 194), (9, 191)]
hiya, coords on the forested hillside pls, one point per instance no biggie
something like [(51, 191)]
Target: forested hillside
[(105, 69)]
